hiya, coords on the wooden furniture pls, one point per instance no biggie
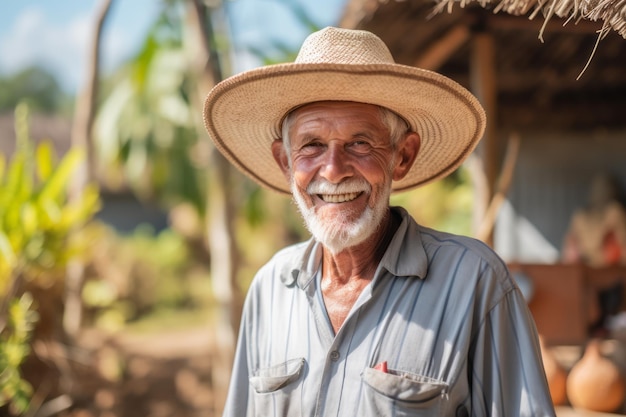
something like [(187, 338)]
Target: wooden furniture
[(565, 298)]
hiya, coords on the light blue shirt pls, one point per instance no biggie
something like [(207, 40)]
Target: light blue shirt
[(442, 311)]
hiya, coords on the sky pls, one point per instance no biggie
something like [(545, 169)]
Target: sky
[(55, 33)]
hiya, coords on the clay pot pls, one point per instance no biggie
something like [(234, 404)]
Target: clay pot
[(555, 374), (595, 382)]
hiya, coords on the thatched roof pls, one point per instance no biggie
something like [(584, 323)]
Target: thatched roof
[(536, 82), (611, 13)]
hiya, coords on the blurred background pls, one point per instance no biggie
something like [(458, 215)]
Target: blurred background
[(127, 243)]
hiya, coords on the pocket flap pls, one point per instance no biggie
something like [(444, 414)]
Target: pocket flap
[(277, 376), (404, 386)]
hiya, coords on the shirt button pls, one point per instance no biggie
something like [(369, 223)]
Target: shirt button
[(334, 355)]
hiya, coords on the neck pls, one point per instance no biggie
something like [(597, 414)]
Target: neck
[(360, 262)]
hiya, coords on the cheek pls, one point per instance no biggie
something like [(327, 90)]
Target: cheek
[(379, 191), (299, 182), (380, 176), (379, 168), (302, 170)]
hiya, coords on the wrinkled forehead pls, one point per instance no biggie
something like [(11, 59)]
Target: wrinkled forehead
[(324, 115), (382, 114), (327, 104)]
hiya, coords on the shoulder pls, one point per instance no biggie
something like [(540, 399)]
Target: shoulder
[(289, 253), (471, 249), (288, 258), (273, 280), (468, 262)]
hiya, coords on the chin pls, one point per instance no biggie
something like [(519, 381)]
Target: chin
[(344, 229), (341, 232), (339, 236)]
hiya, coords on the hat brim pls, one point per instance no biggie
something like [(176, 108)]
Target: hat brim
[(243, 114)]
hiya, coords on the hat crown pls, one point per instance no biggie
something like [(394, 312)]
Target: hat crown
[(343, 46)]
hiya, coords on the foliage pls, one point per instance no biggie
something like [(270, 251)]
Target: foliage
[(145, 274), (445, 204), (35, 86), (37, 218), (145, 128), (14, 348), (39, 227)]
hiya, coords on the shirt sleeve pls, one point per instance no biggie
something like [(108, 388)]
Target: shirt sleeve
[(507, 377)]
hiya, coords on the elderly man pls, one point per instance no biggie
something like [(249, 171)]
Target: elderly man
[(375, 315)]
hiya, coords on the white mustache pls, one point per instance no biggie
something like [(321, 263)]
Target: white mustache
[(350, 186)]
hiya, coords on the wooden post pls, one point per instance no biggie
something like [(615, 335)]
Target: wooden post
[(483, 85)]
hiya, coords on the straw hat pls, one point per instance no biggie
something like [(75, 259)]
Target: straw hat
[(243, 114)]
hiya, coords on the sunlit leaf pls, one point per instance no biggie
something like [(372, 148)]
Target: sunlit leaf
[(82, 209), (15, 175), (107, 129), (99, 293), (50, 212), (2, 167), (167, 71), (6, 250), (58, 181), (175, 109), (45, 157), (29, 218)]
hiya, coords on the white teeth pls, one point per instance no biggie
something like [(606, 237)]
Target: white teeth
[(339, 198)]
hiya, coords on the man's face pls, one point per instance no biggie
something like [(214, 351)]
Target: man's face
[(341, 164)]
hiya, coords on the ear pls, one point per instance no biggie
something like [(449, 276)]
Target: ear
[(280, 156), (407, 151)]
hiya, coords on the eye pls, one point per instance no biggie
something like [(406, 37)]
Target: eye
[(360, 146), (311, 147)]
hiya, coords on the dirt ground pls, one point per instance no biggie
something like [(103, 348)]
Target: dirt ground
[(156, 375)]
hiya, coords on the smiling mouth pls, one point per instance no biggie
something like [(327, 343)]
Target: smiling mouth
[(338, 198)]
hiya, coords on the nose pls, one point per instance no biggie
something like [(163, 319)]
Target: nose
[(336, 165)]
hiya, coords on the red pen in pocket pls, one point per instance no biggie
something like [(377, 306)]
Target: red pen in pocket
[(382, 367)]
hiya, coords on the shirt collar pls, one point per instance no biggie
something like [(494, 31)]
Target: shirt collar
[(405, 255), (307, 260)]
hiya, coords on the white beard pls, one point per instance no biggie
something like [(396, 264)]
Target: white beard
[(340, 232)]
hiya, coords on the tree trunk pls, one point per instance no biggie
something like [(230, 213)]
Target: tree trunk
[(84, 115), (220, 213)]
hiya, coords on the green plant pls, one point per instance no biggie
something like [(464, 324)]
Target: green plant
[(40, 231), (14, 348), (39, 223)]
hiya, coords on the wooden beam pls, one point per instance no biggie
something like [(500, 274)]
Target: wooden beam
[(439, 52)]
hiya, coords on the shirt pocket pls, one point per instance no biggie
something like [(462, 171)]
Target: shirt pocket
[(276, 377), (401, 393), (276, 390)]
